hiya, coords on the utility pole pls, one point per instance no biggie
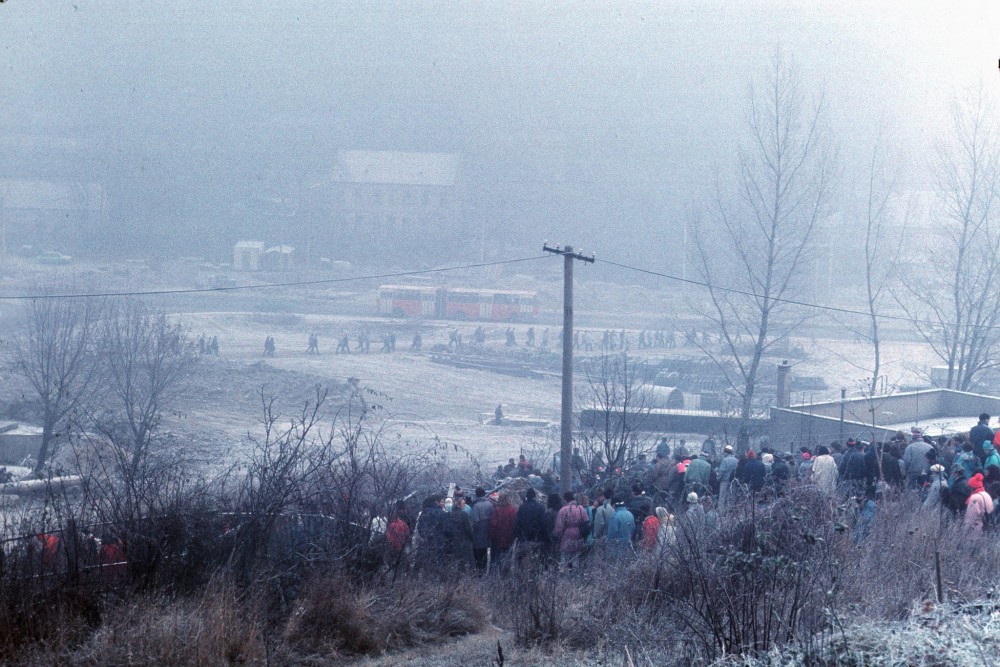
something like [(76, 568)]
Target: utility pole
[(566, 423)]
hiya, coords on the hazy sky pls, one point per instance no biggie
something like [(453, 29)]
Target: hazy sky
[(570, 116)]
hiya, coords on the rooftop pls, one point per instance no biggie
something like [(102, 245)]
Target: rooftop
[(396, 168)]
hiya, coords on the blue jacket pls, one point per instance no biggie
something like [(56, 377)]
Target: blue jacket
[(621, 526)]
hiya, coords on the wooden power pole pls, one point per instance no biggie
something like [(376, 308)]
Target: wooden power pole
[(566, 423)]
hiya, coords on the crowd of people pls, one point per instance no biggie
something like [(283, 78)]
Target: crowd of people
[(639, 508)]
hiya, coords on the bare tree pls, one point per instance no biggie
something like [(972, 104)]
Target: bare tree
[(145, 358), (618, 407), (954, 299), (885, 227), (755, 255), (880, 261), (56, 354)]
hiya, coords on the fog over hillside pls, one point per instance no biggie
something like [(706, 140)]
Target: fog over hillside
[(571, 121)]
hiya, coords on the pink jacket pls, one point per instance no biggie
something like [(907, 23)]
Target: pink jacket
[(980, 504), (568, 523)]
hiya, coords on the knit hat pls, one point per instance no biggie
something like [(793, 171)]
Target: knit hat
[(976, 482), (692, 498), (728, 449), (767, 457), (937, 468)]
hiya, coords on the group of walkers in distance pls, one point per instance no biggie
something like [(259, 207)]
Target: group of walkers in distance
[(640, 508), (208, 345), (587, 341)]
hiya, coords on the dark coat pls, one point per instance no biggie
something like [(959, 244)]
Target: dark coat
[(979, 434), (528, 524), (853, 466), (434, 530), (640, 506), (461, 537), (754, 474), (482, 512)]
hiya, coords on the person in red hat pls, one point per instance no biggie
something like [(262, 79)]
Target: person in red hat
[(978, 506)]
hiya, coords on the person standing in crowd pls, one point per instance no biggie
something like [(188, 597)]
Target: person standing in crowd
[(482, 512), (804, 467), (981, 432), (571, 523), (853, 470), (433, 531), (621, 528), (978, 507), (650, 529), (640, 505), (666, 536), (967, 458), (602, 515), (529, 528), (697, 474), (549, 544), (937, 490), (915, 459), (461, 536), (824, 471), (754, 473), (501, 531), (725, 474), (397, 533), (781, 474)]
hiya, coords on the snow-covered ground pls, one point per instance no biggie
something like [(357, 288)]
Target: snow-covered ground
[(425, 400)]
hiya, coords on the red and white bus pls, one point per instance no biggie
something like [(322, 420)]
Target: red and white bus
[(457, 303)]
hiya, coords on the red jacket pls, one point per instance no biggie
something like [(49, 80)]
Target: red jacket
[(397, 534), (50, 547), (502, 526), (650, 527)]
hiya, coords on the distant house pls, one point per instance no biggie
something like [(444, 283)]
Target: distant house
[(48, 214), (247, 255), (391, 205), (277, 258)]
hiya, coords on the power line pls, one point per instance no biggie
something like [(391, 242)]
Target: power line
[(794, 302), (297, 283)]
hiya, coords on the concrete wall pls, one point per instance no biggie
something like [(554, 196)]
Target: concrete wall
[(678, 421), (791, 429), (819, 423)]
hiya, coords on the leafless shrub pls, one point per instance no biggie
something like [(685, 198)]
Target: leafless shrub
[(337, 616)]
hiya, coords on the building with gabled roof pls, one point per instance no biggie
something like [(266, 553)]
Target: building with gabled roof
[(387, 206)]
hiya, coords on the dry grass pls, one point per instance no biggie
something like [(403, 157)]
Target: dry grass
[(220, 627), (337, 616)]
